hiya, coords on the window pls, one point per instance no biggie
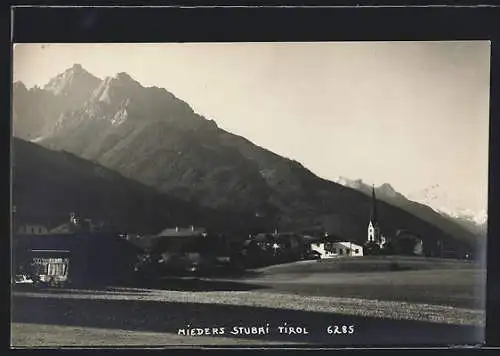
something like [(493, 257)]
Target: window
[(32, 230), (347, 251), (334, 250), (356, 250), (341, 251)]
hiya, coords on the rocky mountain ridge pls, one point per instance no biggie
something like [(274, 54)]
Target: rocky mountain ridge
[(148, 135)]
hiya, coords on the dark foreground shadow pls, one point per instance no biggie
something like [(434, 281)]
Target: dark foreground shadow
[(188, 284), (169, 317), (195, 285), (233, 272)]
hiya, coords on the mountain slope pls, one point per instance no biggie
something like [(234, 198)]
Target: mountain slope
[(149, 135), (66, 183), (385, 192)]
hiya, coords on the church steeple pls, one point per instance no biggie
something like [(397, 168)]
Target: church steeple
[(373, 211), (373, 228)]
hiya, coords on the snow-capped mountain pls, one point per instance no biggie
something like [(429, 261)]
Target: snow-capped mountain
[(437, 198), (434, 197), (479, 218), (427, 204)]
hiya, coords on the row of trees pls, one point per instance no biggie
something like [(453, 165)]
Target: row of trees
[(404, 245)]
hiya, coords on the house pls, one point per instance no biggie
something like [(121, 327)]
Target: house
[(279, 247), (75, 224), (32, 224), (49, 266), (177, 239), (182, 232), (227, 248), (32, 229), (178, 250), (254, 253), (92, 258), (337, 249)]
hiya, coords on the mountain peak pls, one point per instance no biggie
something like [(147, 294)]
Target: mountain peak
[(387, 190), (19, 86), (116, 89), (387, 187), (72, 78), (123, 76), (121, 79), (76, 69)]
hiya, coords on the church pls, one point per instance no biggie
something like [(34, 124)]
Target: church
[(374, 233)]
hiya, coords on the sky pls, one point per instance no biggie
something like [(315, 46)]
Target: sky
[(412, 114)]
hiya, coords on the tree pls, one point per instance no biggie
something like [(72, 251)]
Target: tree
[(372, 248), (408, 245), (389, 248), (418, 250)]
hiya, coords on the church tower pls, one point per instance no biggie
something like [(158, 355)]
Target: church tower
[(373, 227)]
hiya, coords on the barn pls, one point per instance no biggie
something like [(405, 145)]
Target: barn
[(91, 258)]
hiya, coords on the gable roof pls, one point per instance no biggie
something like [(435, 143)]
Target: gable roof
[(184, 232), (63, 229), (32, 220)]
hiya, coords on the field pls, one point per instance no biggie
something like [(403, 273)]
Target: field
[(385, 300), (414, 280)]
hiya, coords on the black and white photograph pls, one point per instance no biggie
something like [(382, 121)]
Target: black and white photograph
[(249, 193)]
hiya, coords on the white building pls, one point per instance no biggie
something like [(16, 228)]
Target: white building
[(374, 233), (337, 249)]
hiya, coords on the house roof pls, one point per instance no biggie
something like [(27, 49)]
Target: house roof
[(344, 243), (33, 224), (311, 238), (71, 242), (70, 227), (48, 222), (348, 243), (263, 237), (63, 229), (181, 232)]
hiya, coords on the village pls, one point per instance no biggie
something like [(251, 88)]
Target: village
[(79, 250)]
